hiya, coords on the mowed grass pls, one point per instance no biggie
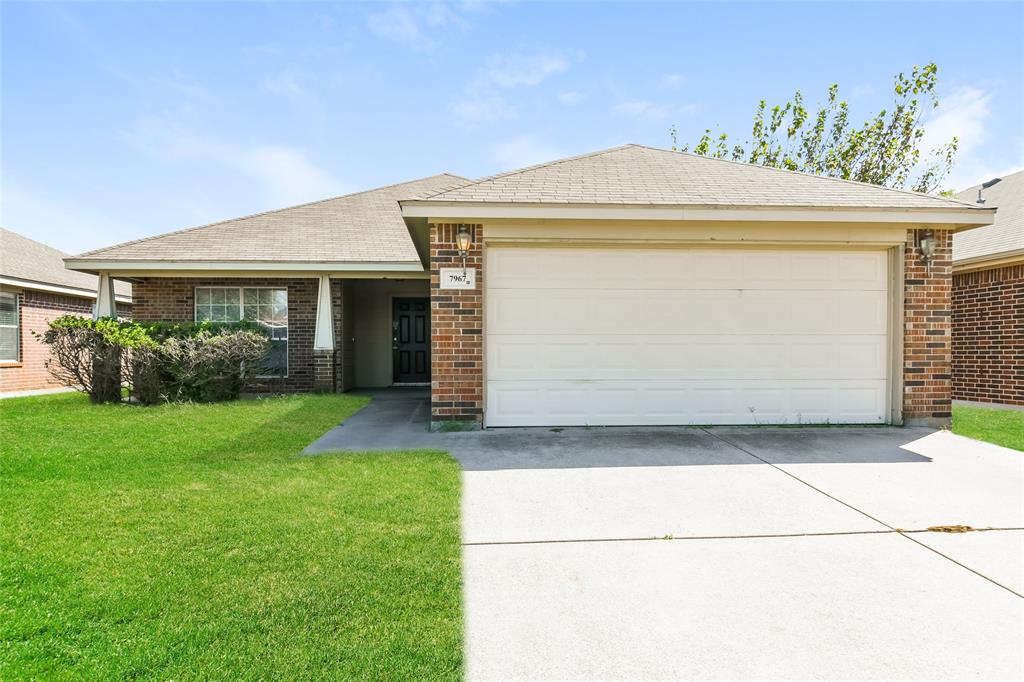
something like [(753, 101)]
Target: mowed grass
[(1002, 427), (194, 542)]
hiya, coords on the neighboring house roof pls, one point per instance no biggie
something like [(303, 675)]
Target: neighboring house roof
[(29, 264), (1003, 238), (366, 227), (638, 175)]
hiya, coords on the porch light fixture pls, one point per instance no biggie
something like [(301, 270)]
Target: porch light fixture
[(926, 244), (463, 240)]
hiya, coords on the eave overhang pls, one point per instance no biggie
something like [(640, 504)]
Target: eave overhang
[(951, 218)]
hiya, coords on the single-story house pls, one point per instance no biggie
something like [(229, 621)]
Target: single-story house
[(631, 286), (35, 288), (988, 298)]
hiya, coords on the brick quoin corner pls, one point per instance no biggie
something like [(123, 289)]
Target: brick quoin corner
[(927, 339), (456, 324)]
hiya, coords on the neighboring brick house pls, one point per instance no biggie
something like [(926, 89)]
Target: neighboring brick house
[(628, 286), (34, 289), (988, 298)]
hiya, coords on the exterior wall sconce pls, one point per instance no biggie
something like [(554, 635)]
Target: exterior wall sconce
[(926, 244), (463, 240)]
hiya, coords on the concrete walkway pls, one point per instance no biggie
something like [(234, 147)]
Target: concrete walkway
[(728, 552)]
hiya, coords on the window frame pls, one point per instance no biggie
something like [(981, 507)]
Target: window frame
[(16, 327), (241, 317)]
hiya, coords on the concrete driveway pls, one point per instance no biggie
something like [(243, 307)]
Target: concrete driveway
[(729, 552)]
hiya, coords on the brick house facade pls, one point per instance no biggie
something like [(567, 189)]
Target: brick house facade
[(988, 335), (811, 303), (35, 311)]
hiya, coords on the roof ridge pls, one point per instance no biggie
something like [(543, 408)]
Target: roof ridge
[(261, 213), (1000, 177), (546, 164), (858, 183)]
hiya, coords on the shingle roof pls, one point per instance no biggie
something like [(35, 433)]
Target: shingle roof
[(1006, 234), (26, 259), (638, 175), (354, 228)]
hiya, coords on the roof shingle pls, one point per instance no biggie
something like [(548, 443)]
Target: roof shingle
[(639, 175), (1006, 234), (355, 228), (26, 259)]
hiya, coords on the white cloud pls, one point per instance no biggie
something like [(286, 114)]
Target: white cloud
[(483, 100), (523, 150), (643, 109), (963, 115), (570, 97), (286, 172), (413, 25), (518, 69), (474, 110), (674, 81), (284, 84)]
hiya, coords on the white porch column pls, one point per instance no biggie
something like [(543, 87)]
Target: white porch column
[(106, 305), (323, 336)]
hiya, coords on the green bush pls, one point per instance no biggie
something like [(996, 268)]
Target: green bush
[(160, 361)]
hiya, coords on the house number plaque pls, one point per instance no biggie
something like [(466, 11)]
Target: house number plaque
[(457, 278)]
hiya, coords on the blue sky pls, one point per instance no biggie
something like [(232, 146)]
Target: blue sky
[(122, 120)]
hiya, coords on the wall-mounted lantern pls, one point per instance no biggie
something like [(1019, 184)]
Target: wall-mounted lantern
[(463, 240), (926, 244)]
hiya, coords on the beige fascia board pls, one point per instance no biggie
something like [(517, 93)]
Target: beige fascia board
[(136, 266), (987, 262), (655, 232), (952, 218), (16, 283)]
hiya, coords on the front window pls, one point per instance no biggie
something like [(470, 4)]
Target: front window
[(9, 345), (268, 307)]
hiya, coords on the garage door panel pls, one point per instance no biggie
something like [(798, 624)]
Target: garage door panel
[(658, 357), (698, 268), (686, 312), (568, 403), (685, 336)]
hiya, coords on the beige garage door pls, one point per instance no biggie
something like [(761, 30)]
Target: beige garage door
[(588, 336)]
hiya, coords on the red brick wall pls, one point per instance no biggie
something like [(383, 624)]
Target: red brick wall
[(173, 300), (35, 311), (927, 342), (456, 322), (988, 335)]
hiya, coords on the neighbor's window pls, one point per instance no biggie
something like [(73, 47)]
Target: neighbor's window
[(269, 307), (8, 326)]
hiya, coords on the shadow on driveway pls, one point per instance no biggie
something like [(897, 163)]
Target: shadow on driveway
[(397, 420)]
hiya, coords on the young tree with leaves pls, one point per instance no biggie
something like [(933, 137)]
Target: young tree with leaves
[(885, 150)]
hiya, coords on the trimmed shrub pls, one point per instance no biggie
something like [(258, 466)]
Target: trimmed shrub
[(90, 355), (160, 362)]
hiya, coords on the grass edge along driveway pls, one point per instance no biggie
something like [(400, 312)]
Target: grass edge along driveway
[(993, 425), (192, 541)]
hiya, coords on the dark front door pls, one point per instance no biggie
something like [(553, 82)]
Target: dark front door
[(410, 339)]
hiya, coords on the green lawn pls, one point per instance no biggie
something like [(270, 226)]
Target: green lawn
[(1002, 427), (193, 542)]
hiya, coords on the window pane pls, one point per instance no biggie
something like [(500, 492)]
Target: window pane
[(202, 297), (202, 313), (281, 297), (275, 362), (8, 343), (8, 309), (231, 296), (251, 295), (266, 296), (251, 311), (217, 296)]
